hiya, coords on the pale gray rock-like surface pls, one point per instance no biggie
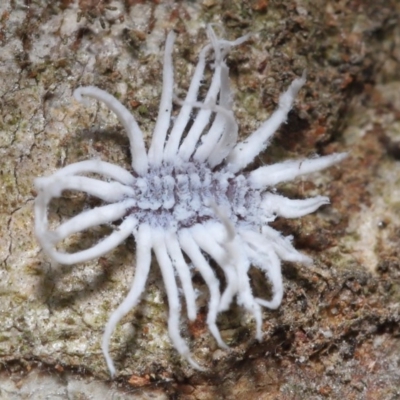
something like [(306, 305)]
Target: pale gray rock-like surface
[(339, 318), (40, 385)]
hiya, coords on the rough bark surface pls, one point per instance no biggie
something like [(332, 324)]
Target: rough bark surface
[(336, 335)]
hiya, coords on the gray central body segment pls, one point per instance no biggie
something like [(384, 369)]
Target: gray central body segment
[(176, 197)]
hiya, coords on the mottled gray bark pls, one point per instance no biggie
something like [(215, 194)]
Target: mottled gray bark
[(336, 334)]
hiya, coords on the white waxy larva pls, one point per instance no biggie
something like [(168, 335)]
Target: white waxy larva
[(188, 196)]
